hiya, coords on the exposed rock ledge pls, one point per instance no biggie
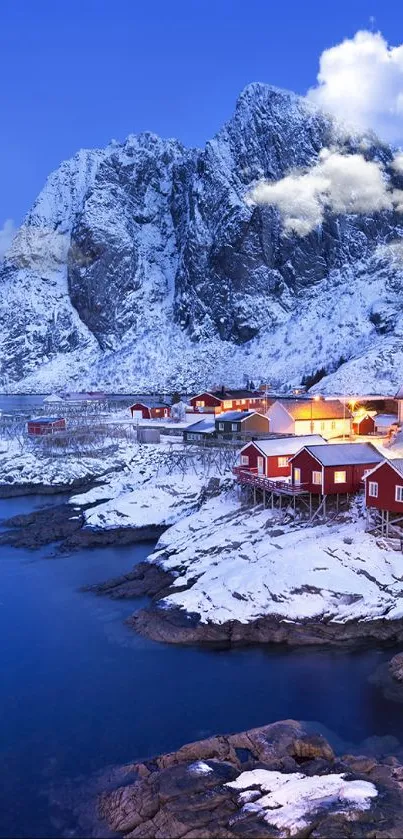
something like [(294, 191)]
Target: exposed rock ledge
[(276, 781), (174, 625)]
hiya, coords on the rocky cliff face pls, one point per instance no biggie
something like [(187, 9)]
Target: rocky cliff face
[(142, 265)]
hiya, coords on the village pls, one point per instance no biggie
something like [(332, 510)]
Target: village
[(305, 455)]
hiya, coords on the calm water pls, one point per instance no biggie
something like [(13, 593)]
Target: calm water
[(80, 691)]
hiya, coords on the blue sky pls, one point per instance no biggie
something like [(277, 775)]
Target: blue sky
[(80, 73)]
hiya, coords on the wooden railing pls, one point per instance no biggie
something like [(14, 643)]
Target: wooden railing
[(251, 478)]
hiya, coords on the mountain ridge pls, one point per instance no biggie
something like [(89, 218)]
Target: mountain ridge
[(142, 265)]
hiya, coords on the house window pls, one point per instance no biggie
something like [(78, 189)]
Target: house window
[(373, 489), (282, 462), (234, 426), (322, 426), (243, 401), (399, 493), (227, 404), (340, 477), (200, 403), (221, 426), (297, 476), (333, 425), (244, 460), (316, 477)]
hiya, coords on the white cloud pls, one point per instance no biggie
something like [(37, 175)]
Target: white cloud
[(397, 163), (339, 182), (7, 233), (360, 81)]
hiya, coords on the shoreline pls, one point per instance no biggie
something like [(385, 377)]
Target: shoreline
[(65, 525)]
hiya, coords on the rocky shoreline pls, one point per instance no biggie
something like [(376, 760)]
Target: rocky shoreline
[(175, 626), (236, 786), (65, 524)]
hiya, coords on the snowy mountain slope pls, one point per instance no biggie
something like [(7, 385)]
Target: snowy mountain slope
[(142, 265)]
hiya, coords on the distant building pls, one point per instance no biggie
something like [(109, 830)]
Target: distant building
[(232, 423), (384, 486), (328, 417), (363, 423), (148, 435), (271, 458), (217, 401), (384, 423), (333, 469), (141, 410), (46, 425), (199, 431), (399, 400)]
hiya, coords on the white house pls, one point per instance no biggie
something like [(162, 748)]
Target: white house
[(328, 417)]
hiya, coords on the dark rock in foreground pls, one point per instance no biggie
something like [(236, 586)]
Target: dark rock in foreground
[(202, 792)]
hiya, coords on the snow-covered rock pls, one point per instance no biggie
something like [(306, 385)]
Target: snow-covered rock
[(141, 265), (242, 578)]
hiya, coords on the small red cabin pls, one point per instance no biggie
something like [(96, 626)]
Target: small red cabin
[(271, 457), (384, 486), (363, 424), (158, 411), (46, 425), (216, 401), (334, 468)]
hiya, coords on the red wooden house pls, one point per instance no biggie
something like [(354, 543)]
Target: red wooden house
[(157, 411), (271, 457), (217, 401), (46, 425), (334, 468), (363, 424), (384, 486)]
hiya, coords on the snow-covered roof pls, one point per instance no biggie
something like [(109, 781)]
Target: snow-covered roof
[(235, 416), (150, 405), (303, 409), (344, 454), (399, 394), (287, 445), (385, 420), (53, 398), (397, 464), (46, 419), (205, 425)]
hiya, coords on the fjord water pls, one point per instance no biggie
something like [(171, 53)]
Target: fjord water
[(80, 691)]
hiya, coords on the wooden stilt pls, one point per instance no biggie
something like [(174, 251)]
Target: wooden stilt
[(310, 505)]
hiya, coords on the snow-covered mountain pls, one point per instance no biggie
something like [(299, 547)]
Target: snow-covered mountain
[(142, 265)]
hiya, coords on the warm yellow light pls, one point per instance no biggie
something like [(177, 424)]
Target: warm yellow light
[(316, 398)]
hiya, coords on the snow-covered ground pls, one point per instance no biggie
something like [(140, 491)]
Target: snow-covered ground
[(27, 466), (239, 565), (288, 801)]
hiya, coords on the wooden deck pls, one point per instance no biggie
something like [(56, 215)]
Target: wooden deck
[(249, 477)]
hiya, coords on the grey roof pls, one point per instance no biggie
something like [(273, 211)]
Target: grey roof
[(287, 445), (344, 454), (46, 419), (397, 463), (234, 416), (236, 394), (206, 426), (385, 419)]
